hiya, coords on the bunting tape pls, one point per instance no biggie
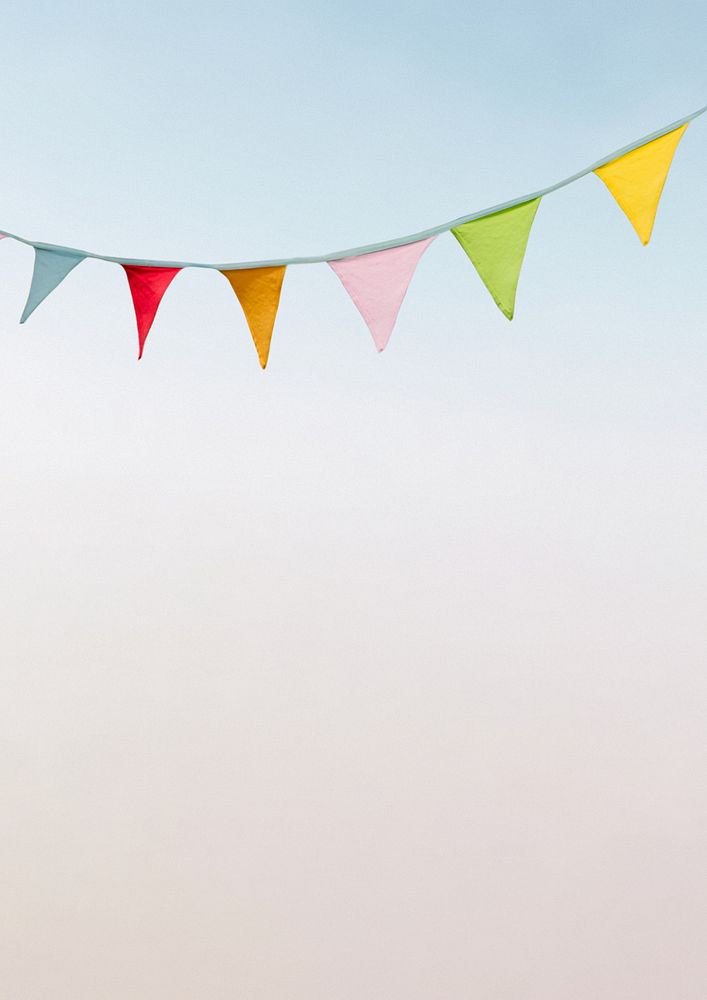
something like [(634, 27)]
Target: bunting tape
[(377, 276)]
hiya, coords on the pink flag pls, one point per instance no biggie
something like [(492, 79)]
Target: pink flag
[(377, 283)]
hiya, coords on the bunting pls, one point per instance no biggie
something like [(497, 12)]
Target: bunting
[(258, 291), (147, 286), (50, 269), (637, 179), (377, 283), (377, 276), (495, 245)]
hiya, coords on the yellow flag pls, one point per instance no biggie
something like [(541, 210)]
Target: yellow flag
[(636, 180), (258, 290)]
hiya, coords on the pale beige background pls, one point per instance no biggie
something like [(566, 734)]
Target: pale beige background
[(370, 678)]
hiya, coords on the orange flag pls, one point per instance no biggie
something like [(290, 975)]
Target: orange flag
[(258, 290), (637, 178)]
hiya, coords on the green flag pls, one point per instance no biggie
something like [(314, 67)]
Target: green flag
[(495, 245)]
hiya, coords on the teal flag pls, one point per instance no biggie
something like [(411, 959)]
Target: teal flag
[(495, 245), (50, 269)]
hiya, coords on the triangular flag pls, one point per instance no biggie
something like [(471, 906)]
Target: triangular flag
[(495, 245), (637, 178), (258, 290), (147, 286), (377, 283), (50, 269)]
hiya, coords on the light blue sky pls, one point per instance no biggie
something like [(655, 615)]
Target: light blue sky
[(369, 676)]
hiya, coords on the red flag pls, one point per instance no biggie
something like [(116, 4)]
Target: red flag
[(147, 286)]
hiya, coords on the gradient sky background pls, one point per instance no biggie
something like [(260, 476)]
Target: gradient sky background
[(369, 677)]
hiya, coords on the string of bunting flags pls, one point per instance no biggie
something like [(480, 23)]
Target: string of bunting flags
[(377, 276)]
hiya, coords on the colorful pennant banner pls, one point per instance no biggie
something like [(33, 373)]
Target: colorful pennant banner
[(377, 277)]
